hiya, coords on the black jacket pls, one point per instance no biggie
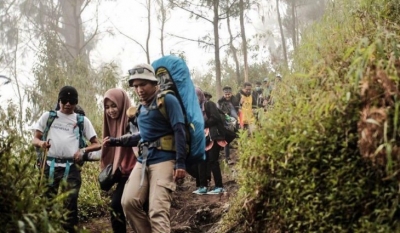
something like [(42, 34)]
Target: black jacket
[(224, 104), (214, 121)]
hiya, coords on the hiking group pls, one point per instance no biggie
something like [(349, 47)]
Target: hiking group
[(150, 147)]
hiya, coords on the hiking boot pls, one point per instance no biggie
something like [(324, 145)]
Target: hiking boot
[(216, 190), (200, 191)]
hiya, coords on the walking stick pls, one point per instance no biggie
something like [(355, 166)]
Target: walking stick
[(43, 163)]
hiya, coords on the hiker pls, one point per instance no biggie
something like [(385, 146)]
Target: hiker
[(64, 154), (258, 94), (247, 104), (207, 95), (153, 178), (115, 124), (267, 93), (215, 139), (227, 105)]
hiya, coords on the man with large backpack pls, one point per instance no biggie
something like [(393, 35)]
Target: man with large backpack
[(61, 138), (162, 152)]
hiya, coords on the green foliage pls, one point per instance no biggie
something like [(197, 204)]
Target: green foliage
[(22, 199), (54, 69), (92, 201), (308, 167), (22, 203)]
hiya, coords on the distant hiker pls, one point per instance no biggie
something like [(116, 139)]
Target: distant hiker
[(115, 124), (247, 103), (227, 105), (258, 94), (62, 143), (207, 95), (267, 92), (215, 139), (153, 177)]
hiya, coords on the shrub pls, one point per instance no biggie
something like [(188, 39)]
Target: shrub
[(317, 164)]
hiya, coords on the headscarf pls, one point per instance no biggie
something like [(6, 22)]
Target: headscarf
[(200, 97), (117, 128)]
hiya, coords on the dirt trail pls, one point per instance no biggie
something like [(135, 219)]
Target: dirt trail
[(190, 213)]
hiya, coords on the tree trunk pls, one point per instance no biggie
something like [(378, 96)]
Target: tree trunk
[(294, 24), (148, 31), (72, 30), (244, 41), (282, 35), (162, 21), (232, 47), (217, 57)]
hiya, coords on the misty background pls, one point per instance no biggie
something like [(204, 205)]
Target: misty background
[(91, 44)]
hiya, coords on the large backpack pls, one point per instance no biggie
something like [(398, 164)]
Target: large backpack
[(183, 88), (50, 120)]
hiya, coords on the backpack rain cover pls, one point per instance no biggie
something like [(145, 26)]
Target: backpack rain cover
[(186, 94)]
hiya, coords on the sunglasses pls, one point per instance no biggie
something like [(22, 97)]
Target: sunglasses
[(138, 70), (70, 101)]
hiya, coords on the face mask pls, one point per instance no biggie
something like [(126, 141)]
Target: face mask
[(258, 88)]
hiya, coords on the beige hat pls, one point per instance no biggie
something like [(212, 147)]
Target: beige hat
[(142, 71)]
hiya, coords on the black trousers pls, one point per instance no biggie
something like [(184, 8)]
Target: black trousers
[(213, 164), (197, 171), (73, 185), (118, 221), (202, 171)]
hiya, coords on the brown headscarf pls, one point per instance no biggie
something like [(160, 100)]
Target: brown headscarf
[(117, 128)]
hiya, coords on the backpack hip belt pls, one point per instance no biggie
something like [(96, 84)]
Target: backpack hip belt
[(59, 160), (53, 162), (166, 143)]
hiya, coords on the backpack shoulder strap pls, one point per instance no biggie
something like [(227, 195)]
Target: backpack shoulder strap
[(50, 120), (80, 121), (161, 100)]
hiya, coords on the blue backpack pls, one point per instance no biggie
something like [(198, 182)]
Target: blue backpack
[(175, 78)]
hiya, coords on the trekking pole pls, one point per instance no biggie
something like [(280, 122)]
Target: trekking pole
[(43, 164)]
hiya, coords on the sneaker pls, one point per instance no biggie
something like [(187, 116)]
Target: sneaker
[(200, 191), (216, 190)]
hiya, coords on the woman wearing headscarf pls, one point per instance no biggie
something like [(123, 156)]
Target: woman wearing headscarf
[(115, 124), (215, 139)]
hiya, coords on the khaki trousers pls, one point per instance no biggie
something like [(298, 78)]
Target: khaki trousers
[(158, 185)]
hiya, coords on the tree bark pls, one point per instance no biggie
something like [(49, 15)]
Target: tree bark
[(294, 24), (217, 56), (282, 35), (148, 31), (232, 47), (244, 40), (163, 20), (72, 30)]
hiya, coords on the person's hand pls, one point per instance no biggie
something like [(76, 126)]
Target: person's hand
[(106, 141), (179, 174), (78, 156), (44, 144)]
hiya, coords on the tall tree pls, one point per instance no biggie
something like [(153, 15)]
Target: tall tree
[(15, 44), (283, 39), (200, 11), (244, 40), (162, 19), (146, 47), (232, 47)]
